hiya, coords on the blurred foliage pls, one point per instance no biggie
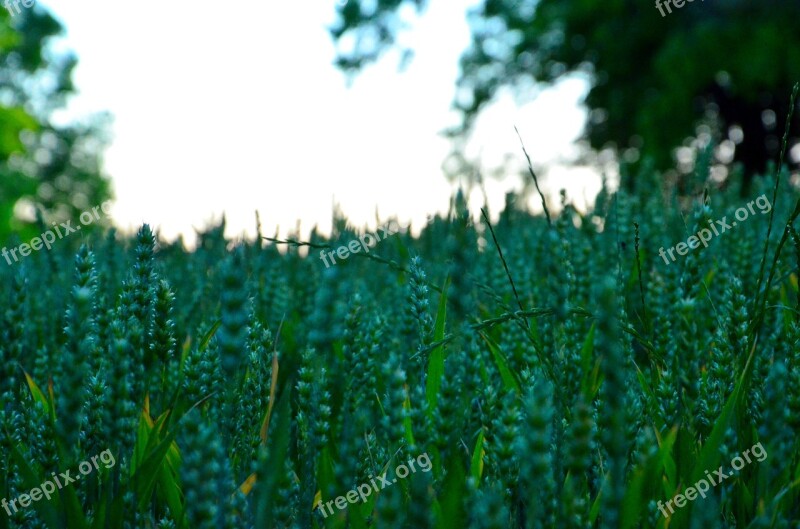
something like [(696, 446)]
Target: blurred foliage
[(44, 162), (654, 78)]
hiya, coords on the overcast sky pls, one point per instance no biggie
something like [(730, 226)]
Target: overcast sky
[(236, 108)]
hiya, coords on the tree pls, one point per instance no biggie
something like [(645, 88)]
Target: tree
[(656, 79), (44, 164)]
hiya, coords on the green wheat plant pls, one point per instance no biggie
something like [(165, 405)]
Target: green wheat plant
[(555, 369)]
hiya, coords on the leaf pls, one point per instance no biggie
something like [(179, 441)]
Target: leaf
[(168, 484), (436, 361), (594, 511), (451, 499), (72, 508), (37, 394), (510, 379), (644, 476), (317, 498), (407, 424), (273, 388), (185, 348), (278, 449), (477, 458), (47, 510), (247, 485), (148, 471), (711, 452), (587, 349), (326, 474), (210, 334), (14, 120), (100, 514), (643, 383), (142, 440)]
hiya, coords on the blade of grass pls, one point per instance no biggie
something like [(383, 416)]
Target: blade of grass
[(436, 361)]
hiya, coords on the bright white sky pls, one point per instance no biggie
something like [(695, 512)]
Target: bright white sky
[(237, 107)]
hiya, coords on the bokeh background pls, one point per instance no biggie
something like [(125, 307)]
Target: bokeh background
[(184, 111)]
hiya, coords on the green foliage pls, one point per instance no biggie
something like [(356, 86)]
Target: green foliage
[(43, 164), (599, 389)]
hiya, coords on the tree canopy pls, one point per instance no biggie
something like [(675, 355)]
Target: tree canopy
[(726, 67), (44, 163)]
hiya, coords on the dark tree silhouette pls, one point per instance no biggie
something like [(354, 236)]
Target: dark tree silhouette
[(730, 65)]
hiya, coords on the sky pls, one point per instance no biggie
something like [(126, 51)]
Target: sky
[(232, 108)]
